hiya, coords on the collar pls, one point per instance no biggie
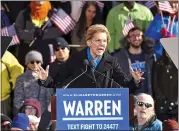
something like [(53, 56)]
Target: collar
[(59, 62), (90, 58), (29, 73), (149, 123), (135, 8)]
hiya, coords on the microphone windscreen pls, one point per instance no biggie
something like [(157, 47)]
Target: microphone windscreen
[(92, 64), (86, 62)]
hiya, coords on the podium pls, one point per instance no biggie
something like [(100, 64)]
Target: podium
[(131, 107), (92, 109)]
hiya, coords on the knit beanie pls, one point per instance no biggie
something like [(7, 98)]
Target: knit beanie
[(21, 121), (5, 118), (170, 125), (60, 42), (35, 103), (33, 55)]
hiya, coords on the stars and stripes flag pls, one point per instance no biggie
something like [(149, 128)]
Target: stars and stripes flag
[(52, 55), (150, 4), (10, 31), (165, 6), (100, 4), (128, 25), (63, 21)]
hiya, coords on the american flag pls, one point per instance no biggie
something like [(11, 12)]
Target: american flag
[(150, 4), (10, 31), (63, 21), (128, 25), (100, 4), (165, 6), (52, 56)]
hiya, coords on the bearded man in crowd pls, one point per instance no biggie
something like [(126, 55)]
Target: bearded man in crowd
[(29, 25)]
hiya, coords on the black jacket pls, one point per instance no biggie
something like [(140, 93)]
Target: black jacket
[(54, 67), (166, 88), (123, 58), (74, 66), (25, 30)]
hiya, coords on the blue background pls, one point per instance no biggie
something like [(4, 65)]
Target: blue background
[(117, 94)]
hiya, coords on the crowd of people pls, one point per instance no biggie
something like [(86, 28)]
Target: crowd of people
[(46, 58)]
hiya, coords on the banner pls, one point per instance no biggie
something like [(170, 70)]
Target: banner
[(171, 47), (93, 109)]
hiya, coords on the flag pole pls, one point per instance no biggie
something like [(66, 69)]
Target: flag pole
[(43, 28), (172, 24), (7, 9), (162, 17), (160, 13), (169, 23)]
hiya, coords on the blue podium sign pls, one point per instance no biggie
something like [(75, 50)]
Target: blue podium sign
[(93, 109)]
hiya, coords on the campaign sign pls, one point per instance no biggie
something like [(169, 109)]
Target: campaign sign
[(93, 109)]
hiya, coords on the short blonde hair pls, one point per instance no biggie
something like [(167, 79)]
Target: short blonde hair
[(97, 28)]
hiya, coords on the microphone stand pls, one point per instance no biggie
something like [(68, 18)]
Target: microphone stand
[(91, 65), (112, 80), (64, 87)]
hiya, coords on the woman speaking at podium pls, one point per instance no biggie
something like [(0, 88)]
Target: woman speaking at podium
[(104, 72)]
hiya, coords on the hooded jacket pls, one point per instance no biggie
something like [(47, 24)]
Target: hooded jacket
[(10, 70), (123, 58), (27, 86), (32, 102)]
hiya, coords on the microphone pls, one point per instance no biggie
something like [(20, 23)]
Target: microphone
[(92, 64), (86, 63), (92, 72)]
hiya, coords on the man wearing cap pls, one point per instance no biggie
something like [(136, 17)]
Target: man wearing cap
[(62, 53), (27, 85), (29, 25)]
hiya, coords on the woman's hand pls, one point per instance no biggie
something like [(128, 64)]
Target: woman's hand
[(137, 75), (42, 74)]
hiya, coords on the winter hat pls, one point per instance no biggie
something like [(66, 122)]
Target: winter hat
[(34, 119), (170, 125), (5, 118), (35, 103), (33, 55), (60, 42), (21, 121)]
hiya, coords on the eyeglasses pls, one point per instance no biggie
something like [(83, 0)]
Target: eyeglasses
[(57, 49), (33, 62), (98, 41), (147, 105), (134, 36), (30, 108)]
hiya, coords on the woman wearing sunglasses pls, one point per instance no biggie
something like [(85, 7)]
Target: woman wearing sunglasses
[(27, 85), (145, 119)]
